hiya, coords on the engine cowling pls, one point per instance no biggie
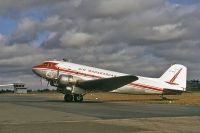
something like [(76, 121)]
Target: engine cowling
[(66, 80)]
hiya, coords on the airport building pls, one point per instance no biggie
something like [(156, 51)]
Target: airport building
[(20, 88)]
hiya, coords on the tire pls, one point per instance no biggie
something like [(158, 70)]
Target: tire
[(78, 98), (68, 98)]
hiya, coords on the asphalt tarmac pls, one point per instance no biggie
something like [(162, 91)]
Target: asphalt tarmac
[(32, 114)]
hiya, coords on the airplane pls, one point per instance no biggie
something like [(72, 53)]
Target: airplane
[(6, 85), (76, 80)]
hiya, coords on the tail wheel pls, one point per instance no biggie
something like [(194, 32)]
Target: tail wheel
[(78, 98), (68, 98)]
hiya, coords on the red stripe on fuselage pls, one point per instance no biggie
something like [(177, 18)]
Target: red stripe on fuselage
[(146, 86)]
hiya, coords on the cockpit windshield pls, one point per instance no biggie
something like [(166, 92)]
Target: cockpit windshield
[(47, 64)]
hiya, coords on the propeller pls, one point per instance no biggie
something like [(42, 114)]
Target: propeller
[(41, 83), (58, 73), (47, 84)]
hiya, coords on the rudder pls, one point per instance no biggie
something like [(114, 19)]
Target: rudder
[(176, 75)]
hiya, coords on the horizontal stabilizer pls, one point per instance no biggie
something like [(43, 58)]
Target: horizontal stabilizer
[(172, 92), (106, 84)]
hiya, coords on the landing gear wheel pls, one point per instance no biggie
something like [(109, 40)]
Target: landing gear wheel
[(68, 98), (78, 98)]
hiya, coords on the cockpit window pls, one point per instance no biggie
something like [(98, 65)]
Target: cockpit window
[(49, 65), (46, 64)]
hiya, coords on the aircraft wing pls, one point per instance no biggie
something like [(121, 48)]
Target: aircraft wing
[(106, 84)]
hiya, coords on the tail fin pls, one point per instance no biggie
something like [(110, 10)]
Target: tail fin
[(176, 75)]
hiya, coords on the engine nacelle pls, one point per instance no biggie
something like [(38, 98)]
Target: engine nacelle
[(66, 80)]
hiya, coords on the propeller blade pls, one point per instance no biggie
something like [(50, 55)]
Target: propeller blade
[(48, 84), (41, 83), (58, 73)]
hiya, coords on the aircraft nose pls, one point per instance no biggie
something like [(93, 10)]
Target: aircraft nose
[(34, 70), (37, 71)]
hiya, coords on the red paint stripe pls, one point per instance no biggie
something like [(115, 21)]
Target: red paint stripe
[(80, 73), (172, 83), (94, 76), (146, 86), (174, 77)]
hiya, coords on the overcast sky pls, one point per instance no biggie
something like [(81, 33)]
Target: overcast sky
[(141, 37)]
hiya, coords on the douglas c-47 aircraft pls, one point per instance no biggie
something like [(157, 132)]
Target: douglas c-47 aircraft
[(75, 80)]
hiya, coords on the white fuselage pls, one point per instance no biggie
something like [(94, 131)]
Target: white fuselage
[(143, 85)]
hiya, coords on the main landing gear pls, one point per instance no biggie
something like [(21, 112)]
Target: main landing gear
[(73, 97)]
